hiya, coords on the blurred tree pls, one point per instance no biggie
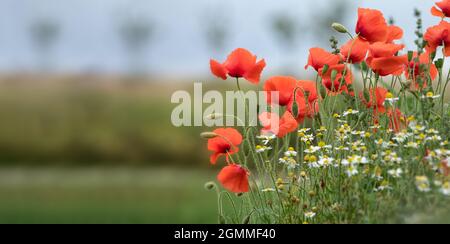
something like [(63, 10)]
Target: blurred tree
[(136, 34), (286, 30), (215, 30), (336, 11), (44, 34)]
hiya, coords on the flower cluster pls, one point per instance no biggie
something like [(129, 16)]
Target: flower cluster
[(341, 142)]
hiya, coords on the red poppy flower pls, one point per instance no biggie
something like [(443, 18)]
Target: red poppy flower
[(240, 63), (284, 85), (397, 121), (371, 25), (382, 59), (318, 58), (416, 69), (234, 178), (394, 33), (306, 98), (340, 82), (443, 9), (377, 97), (389, 65), (381, 50), (438, 35), (355, 50), (226, 143), (273, 124)]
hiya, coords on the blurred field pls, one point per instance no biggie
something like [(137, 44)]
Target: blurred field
[(105, 195), (92, 120)]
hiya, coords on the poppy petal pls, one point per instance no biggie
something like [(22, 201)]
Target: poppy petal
[(218, 69), (234, 178), (254, 74)]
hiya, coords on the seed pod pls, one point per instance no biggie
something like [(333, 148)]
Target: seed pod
[(410, 56), (439, 63), (214, 116), (208, 135), (222, 219), (325, 69), (339, 28), (295, 109), (323, 91), (210, 185)]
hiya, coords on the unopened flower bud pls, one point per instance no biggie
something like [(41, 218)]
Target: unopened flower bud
[(439, 63), (339, 28), (210, 185), (410, 56), (295, 109), (214, 116), (208, 135)]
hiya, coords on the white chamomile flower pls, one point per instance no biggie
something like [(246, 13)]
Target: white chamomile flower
[(268, 190), (266, 139), (325, 161), (430, 95), (395, 173), (351, 171), (290, 152), (383, 186), (350, 112), (307, 138), (433, 138), (432, 131), (412, 145), (310, 215), (423, 184), (261, 149), (445, 189), (312, 150), (289, 162), (304, 130), (401, 137)]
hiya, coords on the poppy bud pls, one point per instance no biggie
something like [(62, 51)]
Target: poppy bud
[(339, 28), (246, 220), (366, 95), (325, 69), (433, 55), (208, 135), (410, 55), (364, 66), (333, 75), (323, 91), (222, 220), (439, 63), (214, 116), (210, 185), (295, 109)]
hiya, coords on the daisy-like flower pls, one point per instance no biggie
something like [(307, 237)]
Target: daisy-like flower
[(304, 130), (266, 139), (308, 138), (356, 159), (268, 190), (323, 145), (430, 95), (290, 152), (358, 133), (423, 184), (416, 128), (390, 98), (432, 131), (445, 188), (413, 145), (350, 112), (322, 129), (391, 157), (325, 161), (310, 215), (351, 171), (383, 186), (261, 149), (312, 150), (395, 173), (289, 162), (342, 148), (401, 137), (433, 138)]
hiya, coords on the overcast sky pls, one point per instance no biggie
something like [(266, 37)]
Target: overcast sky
[(89, 39)]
